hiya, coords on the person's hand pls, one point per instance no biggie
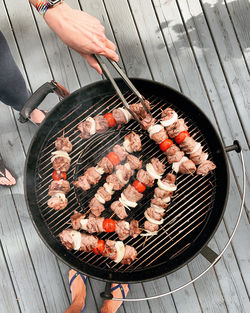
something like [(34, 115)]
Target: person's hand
[(82, 32)]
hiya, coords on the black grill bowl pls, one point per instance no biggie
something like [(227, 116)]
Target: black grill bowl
[(193, 215)]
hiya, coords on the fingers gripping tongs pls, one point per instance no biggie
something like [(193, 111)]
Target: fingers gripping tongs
[(118, 91)]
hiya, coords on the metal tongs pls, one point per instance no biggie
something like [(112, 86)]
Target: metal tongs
[(117, 89)]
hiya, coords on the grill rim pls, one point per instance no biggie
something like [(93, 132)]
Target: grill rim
[(41, 227)]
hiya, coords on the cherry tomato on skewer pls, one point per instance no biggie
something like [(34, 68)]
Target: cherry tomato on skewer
[(167, 143), (140, 187), (108, 225), (110, 119), (181, 136), (57, 175), (113, 158), (100, 247)]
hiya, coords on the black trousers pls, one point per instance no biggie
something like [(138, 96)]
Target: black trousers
[(13, 90)]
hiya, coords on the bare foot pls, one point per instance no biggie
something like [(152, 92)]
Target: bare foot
[(37, 116), (78, 291), (6, 179), (111, 306)]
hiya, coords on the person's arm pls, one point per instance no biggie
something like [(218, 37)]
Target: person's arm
[(80, 31)]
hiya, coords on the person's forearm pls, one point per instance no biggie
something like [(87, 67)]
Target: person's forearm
[(79, 30)]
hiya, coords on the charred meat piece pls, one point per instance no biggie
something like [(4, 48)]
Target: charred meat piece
[(94, 224), (92, 175), (119, 116), (158, 166), (148, 121), (61, 164), (113, 179), (205, 167), (174, 154), (132, 194), (85, 129), (198, 156), (110, 250), (57, 202), (134, 162), (151, 212), (170, 179), (160, 136), (187, 167), (159, 203), (59, 186), (138, 109), (134, 141), (134, 229), (145, 178), (106, 196), (174, 129), (96, 207), (160, 193), (130, 255), (150, 226), (67, 239), (63, 143), (106, 165), (82, 183), (121, 152), (188, 144), (122, 229), (75, 220), (101, 124), (167, 114), (123, 172), (118, 208), (88, 242)]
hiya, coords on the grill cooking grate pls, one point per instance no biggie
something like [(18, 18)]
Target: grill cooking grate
[(186, 215)]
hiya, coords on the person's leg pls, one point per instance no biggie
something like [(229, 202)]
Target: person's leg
[(118, 291), (78, 292), (13, 90)]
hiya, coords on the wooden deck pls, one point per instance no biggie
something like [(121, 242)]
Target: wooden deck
[(200, 47)]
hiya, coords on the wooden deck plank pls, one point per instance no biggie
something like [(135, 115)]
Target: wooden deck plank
[(8, 298), (12, 237), (239, 13), (44, 265), (186, 300), (229, 275), (153, 42), (219, 95), (215, 82), (157, 287), (185, 65), (231, 58)]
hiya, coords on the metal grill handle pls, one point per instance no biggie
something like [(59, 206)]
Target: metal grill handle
[(236, 146)]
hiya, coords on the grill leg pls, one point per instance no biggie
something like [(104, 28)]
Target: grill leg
[(209, 254), (107, 294)]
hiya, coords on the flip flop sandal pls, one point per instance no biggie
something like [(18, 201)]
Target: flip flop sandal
[(84, 280), (5, 173), (121, 288)]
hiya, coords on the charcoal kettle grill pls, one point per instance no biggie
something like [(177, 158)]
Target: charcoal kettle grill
[(193, 215)]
